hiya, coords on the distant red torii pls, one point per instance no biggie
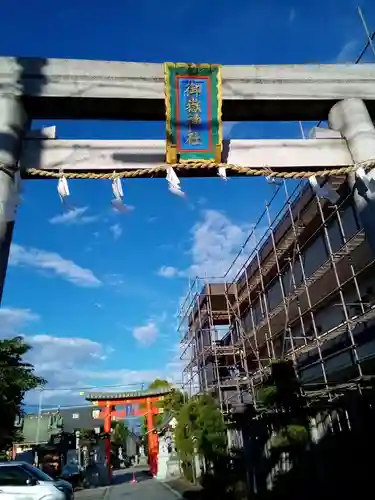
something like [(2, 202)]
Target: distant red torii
[(108, 401)]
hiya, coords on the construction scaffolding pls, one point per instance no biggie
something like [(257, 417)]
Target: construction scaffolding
[(301, 288)]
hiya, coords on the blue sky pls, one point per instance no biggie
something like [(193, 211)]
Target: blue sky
[(97, 297)]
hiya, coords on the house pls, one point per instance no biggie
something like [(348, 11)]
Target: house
[(40, 429)]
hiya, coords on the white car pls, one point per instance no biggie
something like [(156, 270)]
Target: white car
[(22, 481)]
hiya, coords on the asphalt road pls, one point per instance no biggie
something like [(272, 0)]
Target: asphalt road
[(146, 488)]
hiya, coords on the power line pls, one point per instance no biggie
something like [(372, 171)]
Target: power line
[(58, 407), (52, 408), (363, 51), (369, 38), (90, 387)]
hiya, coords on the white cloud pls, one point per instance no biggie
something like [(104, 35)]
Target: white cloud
[(74, 364), (116, 231), (12, 319), (219, 248), (147, 334), (43, 260), (59, 360), (216, 241), (168, 272), (74, 216)]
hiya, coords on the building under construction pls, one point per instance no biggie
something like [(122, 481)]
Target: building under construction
[(302, 289)]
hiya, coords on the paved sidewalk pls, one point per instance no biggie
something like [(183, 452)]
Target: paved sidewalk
[(92, 494), (146, 488)]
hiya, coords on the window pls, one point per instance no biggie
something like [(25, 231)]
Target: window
[(75, 415), (95, 413), (38, 474), (13, 476)]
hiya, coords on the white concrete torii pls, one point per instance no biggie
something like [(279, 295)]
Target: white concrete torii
[(327, 152), (42, 88)]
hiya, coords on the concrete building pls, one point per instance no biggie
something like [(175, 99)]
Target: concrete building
[(37, 429), (301, 289)]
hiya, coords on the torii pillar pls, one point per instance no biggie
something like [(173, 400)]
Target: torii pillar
[(352, 119), (13, 125), (152, 439)]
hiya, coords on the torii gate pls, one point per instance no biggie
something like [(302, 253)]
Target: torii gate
[(32, 88), (148, 399)]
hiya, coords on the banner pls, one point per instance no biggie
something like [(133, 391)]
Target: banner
[(193, 112)]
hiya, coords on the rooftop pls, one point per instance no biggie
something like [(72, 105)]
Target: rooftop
[(109, 396)]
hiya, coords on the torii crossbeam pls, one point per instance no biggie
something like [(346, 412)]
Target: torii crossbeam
[(327, 150)]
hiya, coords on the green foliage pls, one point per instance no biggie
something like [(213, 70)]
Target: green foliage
[(87, 434), (281, 394), (201, 426), (291, 436), (157, 419), (267, 396), (16, 378), (281, 390), (120, 433), (185, 430), (158, 383), (172, 402)]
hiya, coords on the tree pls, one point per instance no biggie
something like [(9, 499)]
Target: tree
[(87, 434), (16, 378), (120, 433), (157, 419), (281, 397), (172, 402), (201, 427), (158, 383)]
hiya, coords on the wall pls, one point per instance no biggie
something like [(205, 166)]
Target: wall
[(73, 419), (81, 418), (35, 429), (313, 255), (332, 315)]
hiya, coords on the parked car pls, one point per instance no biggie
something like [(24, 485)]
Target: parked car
[(22, 481)]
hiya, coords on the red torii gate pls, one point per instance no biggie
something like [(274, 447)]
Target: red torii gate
[(108, 401)]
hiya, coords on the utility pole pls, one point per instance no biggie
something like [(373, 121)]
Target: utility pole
[(78, 447), (37, 434)]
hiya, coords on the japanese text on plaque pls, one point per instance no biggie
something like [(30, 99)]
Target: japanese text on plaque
[(193, 108)]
